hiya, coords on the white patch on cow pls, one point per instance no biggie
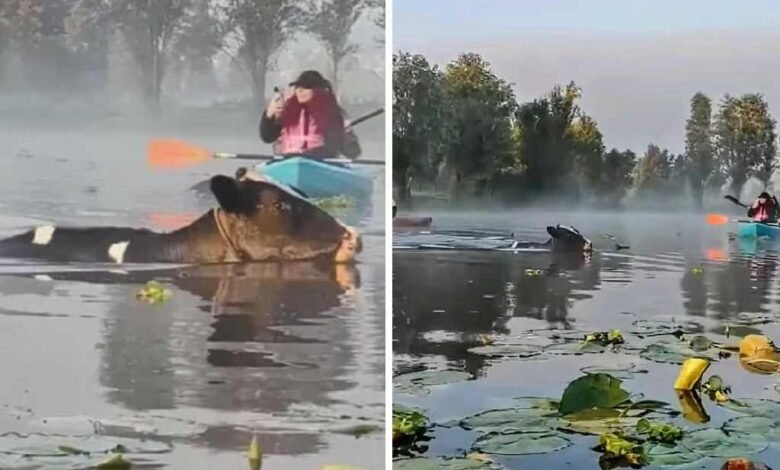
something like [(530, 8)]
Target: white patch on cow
[(43, 235), (117, 251), (43, 277)]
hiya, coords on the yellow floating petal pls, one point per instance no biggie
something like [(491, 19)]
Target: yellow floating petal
[(691, 372)]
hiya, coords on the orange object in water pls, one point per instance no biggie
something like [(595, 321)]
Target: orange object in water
[(716, 254), (717, 219), (172, 153)]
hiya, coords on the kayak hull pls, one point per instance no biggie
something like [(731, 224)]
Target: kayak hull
[(319, 179), (758, 230)]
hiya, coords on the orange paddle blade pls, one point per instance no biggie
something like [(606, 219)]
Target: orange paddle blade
[(172, 153), (717, 219)]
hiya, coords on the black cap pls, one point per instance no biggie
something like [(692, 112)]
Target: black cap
[(310, 79), (764, 195)]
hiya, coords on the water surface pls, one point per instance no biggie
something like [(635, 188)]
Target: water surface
[(677, 269), (290, 353)]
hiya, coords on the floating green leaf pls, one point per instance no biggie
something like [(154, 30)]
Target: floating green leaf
[(507, 350), (335, 204), (605, 338), (659, 431), (51, 445), (592, 391), (153, 292), (624, 372), (417, 382), (443, 464), (510, 420), (766, 427), (521, 443), (755, 407), (673, 352), (601, 420), (716, 443), (619, 447), (665, 327)]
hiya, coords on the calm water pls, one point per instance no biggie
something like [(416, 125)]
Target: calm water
[(446, 302), (293, 354)]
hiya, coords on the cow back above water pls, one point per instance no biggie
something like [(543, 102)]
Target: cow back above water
[(255, 221)]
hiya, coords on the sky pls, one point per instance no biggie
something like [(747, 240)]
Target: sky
[(637, 61)]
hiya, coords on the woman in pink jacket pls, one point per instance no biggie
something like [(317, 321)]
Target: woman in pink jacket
[(309, 121)]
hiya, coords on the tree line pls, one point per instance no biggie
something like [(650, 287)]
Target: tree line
[(75, 37), (461, 127)]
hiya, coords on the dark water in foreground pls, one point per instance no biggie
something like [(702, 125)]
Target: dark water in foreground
[(446, 302), (292, 354)]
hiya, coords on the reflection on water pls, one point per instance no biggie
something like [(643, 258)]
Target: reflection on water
[(446, 302), (291, 353)]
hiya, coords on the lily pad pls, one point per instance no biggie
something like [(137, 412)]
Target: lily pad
[(417, 382), (667, 456), (521, 443), (767, 427), (58, 446), (755, 407), (673, 352), (716, 443), (510, 420), (664, 327), (592, 391), (443, 464), (538, 403), (576, 348), (507, 350), (599, 425), (624, 372)]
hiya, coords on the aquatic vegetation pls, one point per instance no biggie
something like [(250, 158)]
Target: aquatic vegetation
[(416, 383), (153, 293), (626, 429), (659, 432), (622, 449), (335, 204), (521, 443), (409, 428), (254, 455), (455, 463), (605, 338)]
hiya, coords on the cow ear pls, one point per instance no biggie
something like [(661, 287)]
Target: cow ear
[(551, 230), (228, 194)]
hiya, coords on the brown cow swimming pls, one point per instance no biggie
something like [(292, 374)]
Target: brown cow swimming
[(256, 221)]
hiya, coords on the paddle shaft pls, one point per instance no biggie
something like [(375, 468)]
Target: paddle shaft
[(253, 156)]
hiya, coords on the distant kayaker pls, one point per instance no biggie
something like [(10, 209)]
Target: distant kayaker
[(764, 208), (308, 121)]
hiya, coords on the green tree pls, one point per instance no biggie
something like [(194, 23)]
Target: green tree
[(653, 170), (481, 106), (745, 139), (418, 121), (546, 146), (150, 29), (331, 22), (588, 148), (261, 27), (617, 175), (699, 153)]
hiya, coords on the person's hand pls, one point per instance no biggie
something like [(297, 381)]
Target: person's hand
[(276, 105)]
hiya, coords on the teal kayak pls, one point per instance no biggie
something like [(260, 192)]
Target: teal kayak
[(320, 179), (758, 230)]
